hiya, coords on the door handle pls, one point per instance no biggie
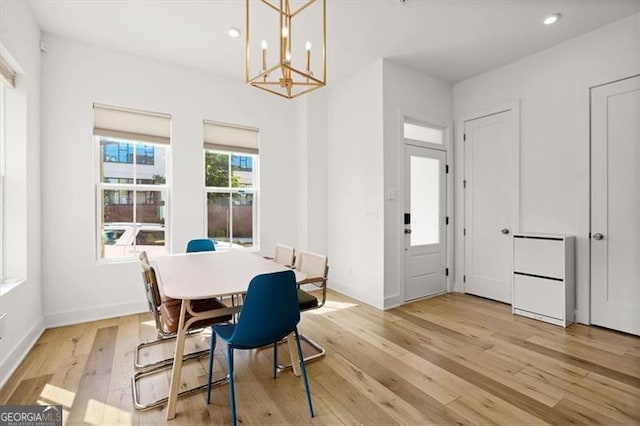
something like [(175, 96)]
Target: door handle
[(505, 231), (407, 231), (598, 236)]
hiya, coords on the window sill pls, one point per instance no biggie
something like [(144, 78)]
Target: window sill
[(8, 284)]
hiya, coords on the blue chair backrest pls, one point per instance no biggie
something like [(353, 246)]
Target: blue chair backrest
[(270, 310), (203, 244)]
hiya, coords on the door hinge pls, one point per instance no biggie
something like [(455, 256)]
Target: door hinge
[(446, 221), (464, 278), (464, 184), (446, 169), (464, 137), (446, 272), (464, 231)]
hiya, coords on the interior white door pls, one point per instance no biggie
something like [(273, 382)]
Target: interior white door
[(615, 205), (491, 150), (425, 233)]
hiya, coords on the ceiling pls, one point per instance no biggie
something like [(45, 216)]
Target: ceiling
[(451, 40)]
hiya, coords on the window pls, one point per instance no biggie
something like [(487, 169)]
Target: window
[(422, 133), (2, 154), (7, 81), (231, 184), (132, 189)]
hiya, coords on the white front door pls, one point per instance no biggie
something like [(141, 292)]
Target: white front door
[(491, 152), (615, 205), (425, 236)]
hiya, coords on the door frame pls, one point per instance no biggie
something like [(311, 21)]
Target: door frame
[(583, 156), (446, 147), (461, 176)]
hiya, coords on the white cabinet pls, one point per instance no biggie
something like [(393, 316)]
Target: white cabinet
[(543, 277)]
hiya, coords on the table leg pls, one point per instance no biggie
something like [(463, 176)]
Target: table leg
[(177, 362), (293, 354)]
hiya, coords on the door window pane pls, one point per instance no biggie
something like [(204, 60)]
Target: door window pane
[(425, 201), (218, 218), (423, 133)]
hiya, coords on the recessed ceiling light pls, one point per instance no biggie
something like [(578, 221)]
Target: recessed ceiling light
[(233, 32), (551, 19)]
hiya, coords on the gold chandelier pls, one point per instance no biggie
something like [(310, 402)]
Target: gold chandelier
[(295, 66)]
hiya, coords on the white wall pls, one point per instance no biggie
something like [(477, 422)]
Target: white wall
[(312, 172), (23, 304), (406, 93), (75, 75), (552, 87), (355, 186)]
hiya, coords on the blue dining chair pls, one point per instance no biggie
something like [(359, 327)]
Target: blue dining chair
[(270, 312), (203, 244)]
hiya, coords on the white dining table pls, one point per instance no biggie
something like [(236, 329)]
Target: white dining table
[(204, 275)]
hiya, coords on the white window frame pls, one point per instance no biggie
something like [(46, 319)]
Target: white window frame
[(134, 187), (3, 108), (254, 190)]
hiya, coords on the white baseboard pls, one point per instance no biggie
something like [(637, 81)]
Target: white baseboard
[(391, 302), (96, 313), (345, 291), (20, 351)]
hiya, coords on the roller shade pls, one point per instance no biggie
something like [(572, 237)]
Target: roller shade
[(131, 124), (8, 74), (228, 137)]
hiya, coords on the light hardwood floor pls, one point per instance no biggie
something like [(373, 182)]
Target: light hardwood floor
[(450, 359)]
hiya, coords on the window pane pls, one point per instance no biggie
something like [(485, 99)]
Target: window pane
[(423, 133), (147, 237), (425, 201), (218, 219), (144, 154), (242, 171), (117, 161), (243, 219), (111, 235), (150, 219), (150, 207), (151, 164), (117, 219), (216, 169)]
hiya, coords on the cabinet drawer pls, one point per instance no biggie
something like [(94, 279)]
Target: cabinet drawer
[(539, 257), (539, 295)]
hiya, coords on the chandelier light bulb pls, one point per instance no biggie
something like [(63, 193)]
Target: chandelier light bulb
[(308, 45), (264, 44), (285, 32)]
